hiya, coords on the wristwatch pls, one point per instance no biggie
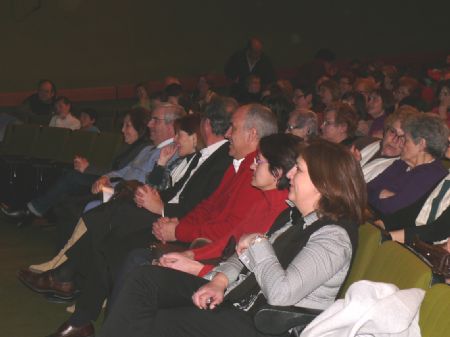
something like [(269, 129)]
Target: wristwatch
[(258, 239)]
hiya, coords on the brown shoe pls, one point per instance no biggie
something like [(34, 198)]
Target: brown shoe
[(46, 283), (67, 330)]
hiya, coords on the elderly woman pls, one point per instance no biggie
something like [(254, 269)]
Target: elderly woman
[(430, 220), (303, 123), (418, 170), (339, 124), (379, 155), (302, 261)]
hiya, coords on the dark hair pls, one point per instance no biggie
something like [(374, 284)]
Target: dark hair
[(48, 81), (305, 88), (139, 118), (190, 124), (345, 114), (63, 99), (281, 106), (173, 89), (338, 177), (281, 151), (388, 99), (218, 115), (359, 102), (91, 113), (333, 87)]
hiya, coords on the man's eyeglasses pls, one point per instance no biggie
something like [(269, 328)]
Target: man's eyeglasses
[(156, 119), (328, 123), (395, 135)]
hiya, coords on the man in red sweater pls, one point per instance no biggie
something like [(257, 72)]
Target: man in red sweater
[(228, 205)]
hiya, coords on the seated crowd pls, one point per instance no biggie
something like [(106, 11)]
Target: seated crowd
[(222, 204)]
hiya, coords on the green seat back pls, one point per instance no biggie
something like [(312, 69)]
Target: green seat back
[(104, 149), (20, 140), (50, 143), (434, 317), (78, 143), (393, 263), (368, 243)]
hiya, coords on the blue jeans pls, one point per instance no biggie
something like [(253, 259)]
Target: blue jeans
[(72, 182)]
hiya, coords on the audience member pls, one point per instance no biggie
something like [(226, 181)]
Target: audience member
[(329, 93), (252, 91), (88, 118), (327, 188), (63, 118), (380, 105), (142, 96), (418, 170), (249, 61), (303, 124), (281, 106), (39, 103), (339, 124), (203, 94), (443, 106), (303, 97)]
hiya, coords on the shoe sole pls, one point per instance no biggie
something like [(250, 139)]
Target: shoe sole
[(51, 293)]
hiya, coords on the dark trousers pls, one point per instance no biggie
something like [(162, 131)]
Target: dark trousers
[(157, 301), (72, 182), (101, 251)]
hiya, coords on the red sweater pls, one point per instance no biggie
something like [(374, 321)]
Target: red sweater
[(227, 206), (258, 219)]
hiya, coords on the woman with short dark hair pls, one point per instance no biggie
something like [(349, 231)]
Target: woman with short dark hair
[(303, 261)]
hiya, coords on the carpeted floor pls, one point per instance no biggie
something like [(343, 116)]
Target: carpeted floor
[(24, 313)]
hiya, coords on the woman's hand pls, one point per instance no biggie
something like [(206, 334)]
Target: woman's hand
[(180, 262), (148, 198), (80, 164), (99, 184), (211, 294), (246, 241), (384, 194), (166, 153)]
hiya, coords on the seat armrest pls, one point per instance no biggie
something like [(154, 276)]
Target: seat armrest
[(277, 320)]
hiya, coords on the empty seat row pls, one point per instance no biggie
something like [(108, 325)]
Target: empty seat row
[(59, 146)]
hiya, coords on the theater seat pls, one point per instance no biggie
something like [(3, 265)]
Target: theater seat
[(390, 263), (435, 312)]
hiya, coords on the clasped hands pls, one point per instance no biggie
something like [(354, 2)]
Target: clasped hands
[(164, 229), (148, 198)]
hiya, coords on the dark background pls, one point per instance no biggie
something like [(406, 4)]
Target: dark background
[(83, 43)]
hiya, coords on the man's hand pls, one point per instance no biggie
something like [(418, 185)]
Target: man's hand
[(101, 182), (148, 198), (164, 229)]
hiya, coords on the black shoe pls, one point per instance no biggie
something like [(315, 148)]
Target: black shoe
[(14, 213)]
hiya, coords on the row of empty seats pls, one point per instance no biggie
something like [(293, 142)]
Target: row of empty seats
[(37, 144)]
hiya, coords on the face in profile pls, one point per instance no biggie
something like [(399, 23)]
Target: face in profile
[(393, 140), (262, 177), (238, 135), (130, 134), (185, 143), (302, 191), (62, 109)]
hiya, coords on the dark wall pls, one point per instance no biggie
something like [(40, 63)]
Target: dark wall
[(80, 43)]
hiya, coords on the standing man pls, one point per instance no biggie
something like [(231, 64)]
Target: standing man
[(249, 61)]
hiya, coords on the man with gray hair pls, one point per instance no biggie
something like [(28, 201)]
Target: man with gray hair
[(217, 215), (303, 123)]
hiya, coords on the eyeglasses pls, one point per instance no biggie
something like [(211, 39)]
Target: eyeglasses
[(257, 161), (328, 123), (289, 128), (394, 134), (156, 119)]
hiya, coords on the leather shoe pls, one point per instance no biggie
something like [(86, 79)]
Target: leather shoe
[(46, 283), (67, 330), (15, 213)]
